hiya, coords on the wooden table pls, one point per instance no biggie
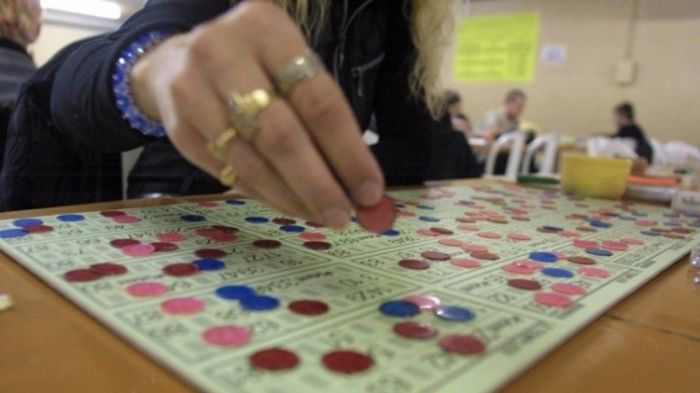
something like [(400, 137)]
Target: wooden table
[(650, 342)]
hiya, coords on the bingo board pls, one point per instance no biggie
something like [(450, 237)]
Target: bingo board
[(472, 286)]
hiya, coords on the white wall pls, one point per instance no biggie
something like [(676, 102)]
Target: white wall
[(55, 36)]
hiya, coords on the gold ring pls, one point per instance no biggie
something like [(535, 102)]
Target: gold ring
[(219, 147), (228, 176), (298, 70), (244, 110)]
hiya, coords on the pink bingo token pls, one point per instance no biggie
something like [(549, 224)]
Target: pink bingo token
[(427, 232), (468, 227), (632, 241), (138, 250), (594, 272), (466, 263), (614, 246), (489, 235), (182, 306), (125, 219), (645, 223), (585, 244), (468, 247), (146, 289), (208, 204), (171, 237), (227, 335), (424, 302), (519, 237), (568, 289), (566, 233), (451, 242), (528, 264), (312, 236), (553, 300), (517, 269)]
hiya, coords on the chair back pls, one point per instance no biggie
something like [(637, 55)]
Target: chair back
[(514, 140), (550, 143)]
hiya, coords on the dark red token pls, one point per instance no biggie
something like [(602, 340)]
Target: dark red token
[(109, 269), (314, 224), (442, 231), (283, 221), (347, 362), (210, 253), (520, 218), (660, 230), (414, 264), (545, 229), (112, 213), (674, 235), (164, 247), (180, 269), (207, 232), (274, 359), (82, 275), (415, 330), (225, 228), (223, 237), (462, 344), (378, 218), (465, 220), (527, 285), (435, 255), (318, 246), (484, 255), (38, 228), (581, 260), (676, 229), (498, 220), (267, 244), (308, 307), (121, 243)]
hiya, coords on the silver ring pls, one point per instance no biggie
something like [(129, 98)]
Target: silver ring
[(298, 70)]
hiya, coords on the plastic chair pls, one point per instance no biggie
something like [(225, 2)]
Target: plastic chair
[(678, 152), (550, 142), (515, 140), (659, 152)]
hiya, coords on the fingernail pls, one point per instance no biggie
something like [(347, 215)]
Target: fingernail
[(368, 194), (336, 218)]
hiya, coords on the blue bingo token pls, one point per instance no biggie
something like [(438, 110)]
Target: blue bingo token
[(399, 308), (257, 220), (192, 218), (235, 292), (553, 228), (601, 252), (70, 218), (27, 222), (293, 228), (428, 219), (209, 264), (650, 233), (259, 303), (556, 272), (235, 202), (543, 256), (425, 207), (454, 313), (391, 232), (10, 233), (599, 224)]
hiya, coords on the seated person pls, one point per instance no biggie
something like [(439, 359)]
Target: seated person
[(628, 128), (505, 119), (457, 118)]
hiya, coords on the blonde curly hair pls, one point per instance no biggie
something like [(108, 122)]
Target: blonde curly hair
[(432, 23), (20, 20)]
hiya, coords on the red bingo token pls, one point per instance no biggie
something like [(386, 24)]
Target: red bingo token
[(82, 275), (274, 359), (308, 307), (347, 362), (210, 253), (378, 218), (415, 330), (109, 269), (267, 244), (180, 269), (462, 344)]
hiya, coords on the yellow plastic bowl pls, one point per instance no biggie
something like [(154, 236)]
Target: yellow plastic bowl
[(595, 177)]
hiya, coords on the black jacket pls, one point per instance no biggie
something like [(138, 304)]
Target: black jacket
[(643, 147), (366, 45)]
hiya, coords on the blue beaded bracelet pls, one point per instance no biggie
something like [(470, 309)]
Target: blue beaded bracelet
[(121, 83)]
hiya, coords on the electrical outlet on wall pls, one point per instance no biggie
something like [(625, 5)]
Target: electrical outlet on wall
[(625, 72)]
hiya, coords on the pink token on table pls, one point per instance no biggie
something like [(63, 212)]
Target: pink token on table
[(632, 241), (528, 264), (585, 244), (517, 269), (171, 237), (424, 302), (138, 250), (489, 235), (645, 223), (125, 219), (451, 242), (519, 237), (208, 204), (406, 214), (468, 227), (312, 236), (553, 300), (614, 246), (560, 255), (427, 232), (566, 233), (468, 247), (465, 263), (182, 306), (227, 335), (568, 289), (146, 289), (594, 272)]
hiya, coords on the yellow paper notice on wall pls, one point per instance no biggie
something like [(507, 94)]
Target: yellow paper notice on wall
[(499, 48)]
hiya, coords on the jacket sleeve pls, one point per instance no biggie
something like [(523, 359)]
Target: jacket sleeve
[(82, 103)]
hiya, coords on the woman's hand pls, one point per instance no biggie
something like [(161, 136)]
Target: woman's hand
[(308, 148)]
